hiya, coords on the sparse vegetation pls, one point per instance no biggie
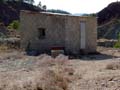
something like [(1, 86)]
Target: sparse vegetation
[(50, 78), (113, 66), (58, 11), (10, 10), (14, 25), (92, 15), (117, 45), (44, 7), (21, 72), (3, 48)]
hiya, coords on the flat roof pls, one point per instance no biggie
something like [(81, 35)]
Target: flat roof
[(50, 13)]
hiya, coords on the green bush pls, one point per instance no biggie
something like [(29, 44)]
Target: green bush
[(14, 25), (117, 44)]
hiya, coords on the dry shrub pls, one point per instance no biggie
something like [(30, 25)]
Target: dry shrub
[(113, 66), (59, 76), (3, 48), (34, 81), (45, 60), (56, 77)]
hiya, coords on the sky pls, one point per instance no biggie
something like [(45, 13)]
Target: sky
[(76, 6)]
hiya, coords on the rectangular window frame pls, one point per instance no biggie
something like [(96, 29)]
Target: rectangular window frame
[(41, 33)]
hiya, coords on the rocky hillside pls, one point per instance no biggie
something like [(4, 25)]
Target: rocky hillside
[(109, 30), (109, 21), (108, 13), (10, 11)]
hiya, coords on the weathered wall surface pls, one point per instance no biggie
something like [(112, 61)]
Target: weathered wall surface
[(61, 30), (91, 36), (72, 39), (54, 28)]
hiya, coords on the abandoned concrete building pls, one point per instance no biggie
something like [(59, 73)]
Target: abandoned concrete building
[(43, 30)]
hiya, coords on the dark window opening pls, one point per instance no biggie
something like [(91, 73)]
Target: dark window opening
[(41, 33)]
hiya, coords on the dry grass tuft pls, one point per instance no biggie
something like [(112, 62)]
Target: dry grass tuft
[(45, 60), (58, 77), (3, 48), (113, 66), (55, 75)]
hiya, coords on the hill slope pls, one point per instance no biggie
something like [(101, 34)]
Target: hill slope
[(10, 11), (109, 30), (108, 13), (109, 21)]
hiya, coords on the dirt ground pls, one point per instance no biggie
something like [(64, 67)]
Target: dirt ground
[(89, 72)]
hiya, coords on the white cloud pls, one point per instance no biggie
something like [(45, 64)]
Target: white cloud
[(76, 6)]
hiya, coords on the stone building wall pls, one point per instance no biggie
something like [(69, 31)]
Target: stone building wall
[(91, 37), (60, 30)]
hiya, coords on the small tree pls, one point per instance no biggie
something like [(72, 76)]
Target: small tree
[(44, 7), (39, 4)]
